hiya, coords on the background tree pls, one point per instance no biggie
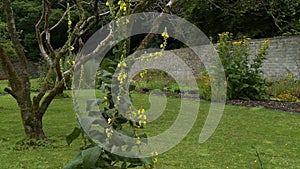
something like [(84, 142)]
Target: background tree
[(33, 108), (253, 18)]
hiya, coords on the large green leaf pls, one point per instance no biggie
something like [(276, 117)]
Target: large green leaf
[(90, 157), (75, 163), (75, 134)]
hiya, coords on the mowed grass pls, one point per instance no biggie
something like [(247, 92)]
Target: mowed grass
[(242, 131)]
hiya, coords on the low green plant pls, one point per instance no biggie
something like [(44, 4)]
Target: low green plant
[(205, 86), (286, 97), (2, 91), (283, 85), (243, 73)]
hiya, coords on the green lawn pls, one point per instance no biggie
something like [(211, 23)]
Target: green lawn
[(276, 136)]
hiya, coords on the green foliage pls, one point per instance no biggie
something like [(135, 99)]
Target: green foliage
[(6, 43), (283, 85), (243, 73), (205, 86), (286, 97), (249, 18), (93, 155)]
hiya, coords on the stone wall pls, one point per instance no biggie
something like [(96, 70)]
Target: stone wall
[(283, 57), (32, 67)]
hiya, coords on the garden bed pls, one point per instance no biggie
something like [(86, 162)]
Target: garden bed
[(269, 104)]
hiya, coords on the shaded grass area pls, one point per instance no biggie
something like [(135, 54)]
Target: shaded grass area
[(242, 131), (58, 122)]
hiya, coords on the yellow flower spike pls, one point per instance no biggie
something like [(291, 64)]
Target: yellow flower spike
[(109, 120), (165, 35)]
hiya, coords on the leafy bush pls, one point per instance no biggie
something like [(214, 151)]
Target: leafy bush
[(243, 73)]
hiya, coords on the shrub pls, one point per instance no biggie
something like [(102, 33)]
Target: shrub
[(241, 71), (283, 85), (204, 86), (286, 97)]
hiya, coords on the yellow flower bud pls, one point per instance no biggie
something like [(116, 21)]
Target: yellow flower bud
[(109, 120)]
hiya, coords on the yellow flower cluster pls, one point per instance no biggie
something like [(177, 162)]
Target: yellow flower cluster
[(267, 42), (108, 132), (109, 120), (122, 77), (290, 75), (154, 157), (237, 42), (143, 73), (138, 141), (122, 64), (224, 34), (142, 118), (71, 62), (165, 35), (123, 6)]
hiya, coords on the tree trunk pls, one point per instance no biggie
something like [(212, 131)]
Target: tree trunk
[(32, 120), (33, 126)]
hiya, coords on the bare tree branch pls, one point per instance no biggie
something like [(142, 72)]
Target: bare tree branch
[(60, 20), (40, 39)]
